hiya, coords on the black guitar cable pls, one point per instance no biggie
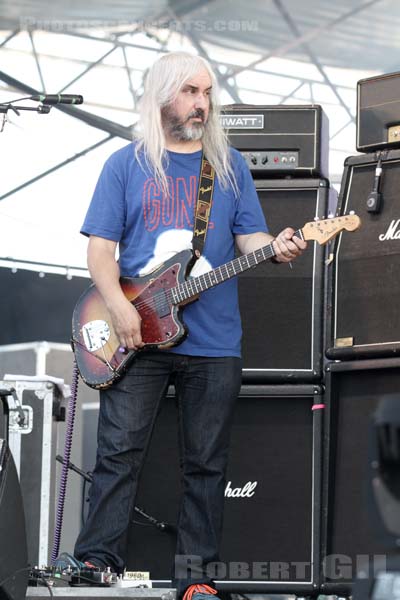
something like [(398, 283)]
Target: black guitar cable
[(375, 197)]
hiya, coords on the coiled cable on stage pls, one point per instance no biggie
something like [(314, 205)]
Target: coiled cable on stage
[(66, 459)]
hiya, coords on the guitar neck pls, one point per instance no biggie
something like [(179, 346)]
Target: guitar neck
[(194, 285)]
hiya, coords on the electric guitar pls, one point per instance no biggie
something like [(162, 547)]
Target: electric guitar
[(159, 298)]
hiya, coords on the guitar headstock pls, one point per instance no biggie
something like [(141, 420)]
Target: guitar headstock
[(323, 230)]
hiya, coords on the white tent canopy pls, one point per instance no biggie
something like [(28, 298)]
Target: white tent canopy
[(270, 52)]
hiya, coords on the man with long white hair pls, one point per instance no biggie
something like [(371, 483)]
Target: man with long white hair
[(144, 203)]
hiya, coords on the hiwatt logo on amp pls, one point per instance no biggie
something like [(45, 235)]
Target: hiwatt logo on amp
[(236, 121)]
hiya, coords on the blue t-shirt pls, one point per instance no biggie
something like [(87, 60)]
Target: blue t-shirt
[(129, 207)]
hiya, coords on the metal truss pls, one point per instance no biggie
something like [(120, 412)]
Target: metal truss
[(294, 29), (307, 37), (225, 71)]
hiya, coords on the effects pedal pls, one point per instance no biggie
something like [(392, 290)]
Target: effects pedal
[(97, 577), (75, 577)]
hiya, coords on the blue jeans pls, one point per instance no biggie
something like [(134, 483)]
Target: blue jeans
[(206, 390)]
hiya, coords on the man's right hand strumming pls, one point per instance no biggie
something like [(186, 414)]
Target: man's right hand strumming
[(105, 274), (127, 324)]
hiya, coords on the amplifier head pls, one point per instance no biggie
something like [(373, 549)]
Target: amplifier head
[(378, 112), (279, 140)]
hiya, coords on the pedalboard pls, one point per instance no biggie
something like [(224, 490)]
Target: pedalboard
[(87, 577), (74, 577)]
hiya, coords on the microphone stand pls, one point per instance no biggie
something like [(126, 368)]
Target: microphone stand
[(87, 476), (42, 109)]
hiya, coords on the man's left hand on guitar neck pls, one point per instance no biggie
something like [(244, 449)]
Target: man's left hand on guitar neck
[(287, 247)]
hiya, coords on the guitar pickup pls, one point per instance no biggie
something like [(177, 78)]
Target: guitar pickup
[(161, 304)]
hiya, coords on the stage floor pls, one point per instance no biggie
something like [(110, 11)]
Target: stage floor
[(103, 593)]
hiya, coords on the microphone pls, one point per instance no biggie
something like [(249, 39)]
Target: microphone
[(58, 98)]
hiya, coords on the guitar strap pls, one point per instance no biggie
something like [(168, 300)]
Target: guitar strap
[(203, 206)]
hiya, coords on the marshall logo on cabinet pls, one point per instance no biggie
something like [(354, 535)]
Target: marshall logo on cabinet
[(364, 276), (247, 491), (392, 232), (279, 140)]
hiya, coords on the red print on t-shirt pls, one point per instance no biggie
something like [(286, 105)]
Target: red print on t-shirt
[(175, 209)]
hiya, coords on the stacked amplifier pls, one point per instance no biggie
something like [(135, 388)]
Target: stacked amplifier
[(362, 335), (286, 149), (271, 533), (331, 321)]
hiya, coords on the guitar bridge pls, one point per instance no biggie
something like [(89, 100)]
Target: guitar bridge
[(95, 334)]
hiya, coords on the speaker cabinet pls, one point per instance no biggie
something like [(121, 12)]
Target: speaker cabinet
[(364, 276), (271, 526), (350, 536), (13, 551), (281, 306)]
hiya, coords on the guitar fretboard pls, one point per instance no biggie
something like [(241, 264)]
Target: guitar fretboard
[(194, 285)]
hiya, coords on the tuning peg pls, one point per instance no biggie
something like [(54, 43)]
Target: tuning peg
[(352, 212)]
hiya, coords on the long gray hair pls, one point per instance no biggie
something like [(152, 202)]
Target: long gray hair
[(163, 83)]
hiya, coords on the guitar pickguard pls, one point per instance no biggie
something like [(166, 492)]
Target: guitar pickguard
[(99, 357)]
